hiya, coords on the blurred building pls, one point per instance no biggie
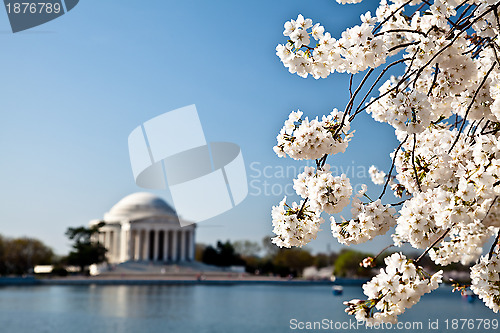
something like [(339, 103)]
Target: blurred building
[(143, 227)]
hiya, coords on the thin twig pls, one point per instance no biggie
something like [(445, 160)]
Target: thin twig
[(350, 86), (432, 245), (398, 203), (382, 251), (413, 161), (400, 30), (402, 45), (434, 80), (376, 81), (392, 167), (390, 16), (353, 96)]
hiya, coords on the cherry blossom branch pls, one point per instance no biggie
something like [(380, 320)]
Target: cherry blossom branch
[(396, 87), (394, 48), (432, 245), (413, 161), (382, 251), (350, 85), (391, 16), (436, 72), (470, 106), (494, 245), (459, 19), (378, 79), (449, 67), (462, 20), (398, 203), (375, 83), (301, 210), (498, 234), (353, 96), (473, 132), (392, 167), (447, 19), (400, 30), (351, 101), (464, 29)]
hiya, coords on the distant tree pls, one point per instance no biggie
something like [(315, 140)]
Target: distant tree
[(347, 264), (322, 260), (228, 255), (270, 249), (210, 256), (223, 255), (292, 261), (85, 251), (18, 256), (247, 248)]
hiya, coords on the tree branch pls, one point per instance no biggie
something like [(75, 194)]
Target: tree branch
[(432, 245), (392, 167)]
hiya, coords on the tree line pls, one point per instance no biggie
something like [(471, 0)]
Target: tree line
[(267, 259), (19, 255)]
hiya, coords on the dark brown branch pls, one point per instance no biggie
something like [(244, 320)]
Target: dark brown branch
[(413, 161), (377, 80), (353, 96), (392, 15), (398, 203), (350, 87), (434, 80), (382, 251), (433, 244), (494, 245), (404, 78), (301, 210), (400, 30), (351, 101), (401, 46), (392, 167)]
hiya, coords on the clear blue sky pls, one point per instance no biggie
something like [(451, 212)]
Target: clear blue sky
[(74, 88)]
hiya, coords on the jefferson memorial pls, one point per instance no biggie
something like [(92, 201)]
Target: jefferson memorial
[(143, 227)]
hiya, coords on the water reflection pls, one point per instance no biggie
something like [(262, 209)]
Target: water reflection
[(124, 309)]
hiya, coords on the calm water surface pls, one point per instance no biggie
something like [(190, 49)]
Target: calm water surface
[(218, 309)]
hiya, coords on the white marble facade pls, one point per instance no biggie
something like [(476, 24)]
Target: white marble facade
[(143, 227)]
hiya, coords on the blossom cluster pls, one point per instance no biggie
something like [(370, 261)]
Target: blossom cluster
[(453, 189), (397, 287), (355, 51), (312, 139), (325, 192), (369, 220), (377, 176), (294, 225), (486, 281)]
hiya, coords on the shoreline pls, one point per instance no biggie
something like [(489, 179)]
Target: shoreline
[(172, 280)]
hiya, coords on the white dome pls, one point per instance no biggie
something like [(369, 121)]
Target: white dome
[(139, 205)]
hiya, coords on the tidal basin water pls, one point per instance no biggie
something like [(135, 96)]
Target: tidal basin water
[(218, 309)]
